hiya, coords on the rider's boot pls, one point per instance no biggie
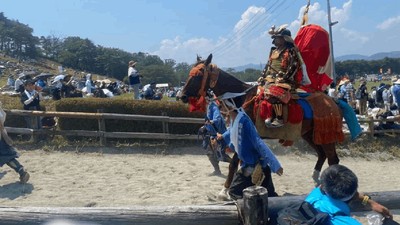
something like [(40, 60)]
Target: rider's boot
[(268, 122), (278, 122)]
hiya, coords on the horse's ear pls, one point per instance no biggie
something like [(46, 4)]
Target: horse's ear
[(198, 58), (208, 60)]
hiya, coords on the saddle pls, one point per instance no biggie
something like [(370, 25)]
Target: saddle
[(326, 118)]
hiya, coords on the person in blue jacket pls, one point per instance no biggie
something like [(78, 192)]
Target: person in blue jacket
[(214, 123), (243, 138), (338, 187)]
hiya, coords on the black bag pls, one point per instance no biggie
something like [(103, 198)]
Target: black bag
[(304, 213)]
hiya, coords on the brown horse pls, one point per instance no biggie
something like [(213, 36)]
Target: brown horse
[(205, 75)]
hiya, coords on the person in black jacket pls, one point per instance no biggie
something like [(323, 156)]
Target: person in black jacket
[(30, 99), (362, 97)]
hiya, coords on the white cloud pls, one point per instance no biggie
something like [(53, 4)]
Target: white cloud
[(317, 15), (252, 47), (342, 15), (181, 50), (354, 36), (387, 24), (238, 48), (248, 16)]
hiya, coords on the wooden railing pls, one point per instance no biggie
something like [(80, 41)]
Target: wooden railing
[(102, 134)]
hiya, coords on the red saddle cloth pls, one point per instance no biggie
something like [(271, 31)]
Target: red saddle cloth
[(265, 109)]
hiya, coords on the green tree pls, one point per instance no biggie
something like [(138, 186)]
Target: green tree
[(182, 72), (157, 73), (78, 53), (51, 47)]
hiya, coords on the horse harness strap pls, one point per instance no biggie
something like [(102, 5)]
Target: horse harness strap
[(213, 78)]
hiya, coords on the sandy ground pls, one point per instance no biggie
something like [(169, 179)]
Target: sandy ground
[(109, 178)]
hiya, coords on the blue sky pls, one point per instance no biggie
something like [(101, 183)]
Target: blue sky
[(235, 31)]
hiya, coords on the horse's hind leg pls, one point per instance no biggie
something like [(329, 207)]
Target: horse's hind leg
[(330, 152)]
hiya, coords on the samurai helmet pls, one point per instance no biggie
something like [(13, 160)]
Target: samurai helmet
[(281, 32)]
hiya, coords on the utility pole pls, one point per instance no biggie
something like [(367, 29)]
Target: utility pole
[(330, 40)]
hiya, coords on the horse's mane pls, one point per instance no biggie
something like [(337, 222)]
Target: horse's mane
[(231, 83)]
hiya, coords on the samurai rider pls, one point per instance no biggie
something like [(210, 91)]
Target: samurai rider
[(280, 73)]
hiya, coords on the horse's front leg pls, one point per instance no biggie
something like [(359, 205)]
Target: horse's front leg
[(308, 137), (233, 166)]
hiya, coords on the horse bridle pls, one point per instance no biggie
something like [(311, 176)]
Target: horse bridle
[(210, 70)]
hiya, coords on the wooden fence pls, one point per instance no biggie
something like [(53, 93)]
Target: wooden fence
[(218, 214), (102, 134)]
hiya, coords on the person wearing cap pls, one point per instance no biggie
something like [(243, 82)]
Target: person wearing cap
[(348, 112), (251, 150), (342, 91), (134, 79), (339, 186), (280, 73)]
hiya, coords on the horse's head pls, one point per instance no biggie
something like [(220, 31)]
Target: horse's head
[(202, 76)]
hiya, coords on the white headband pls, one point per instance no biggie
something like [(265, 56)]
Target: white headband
[(230, 103)]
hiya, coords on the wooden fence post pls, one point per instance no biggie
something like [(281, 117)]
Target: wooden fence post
[(102, 128), (371, 126), (165, 126)]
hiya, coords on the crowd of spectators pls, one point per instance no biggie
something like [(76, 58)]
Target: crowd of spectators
[(379, 102)]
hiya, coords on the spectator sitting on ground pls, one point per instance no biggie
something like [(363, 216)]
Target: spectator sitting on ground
[(150, 92), (19, 83), (387, 125), (338, 187), (171, 92), (10, 82)]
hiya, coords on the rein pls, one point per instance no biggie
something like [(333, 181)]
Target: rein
[(211, 71)]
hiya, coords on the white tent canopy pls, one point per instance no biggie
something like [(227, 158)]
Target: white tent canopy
[(164, 85)]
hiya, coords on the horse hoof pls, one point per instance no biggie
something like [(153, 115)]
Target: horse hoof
[(315, 177), (223, 195)]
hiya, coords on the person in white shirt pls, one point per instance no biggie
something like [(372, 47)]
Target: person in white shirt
[(89, 84), (134, 79), (19, 84), (332, 91)]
